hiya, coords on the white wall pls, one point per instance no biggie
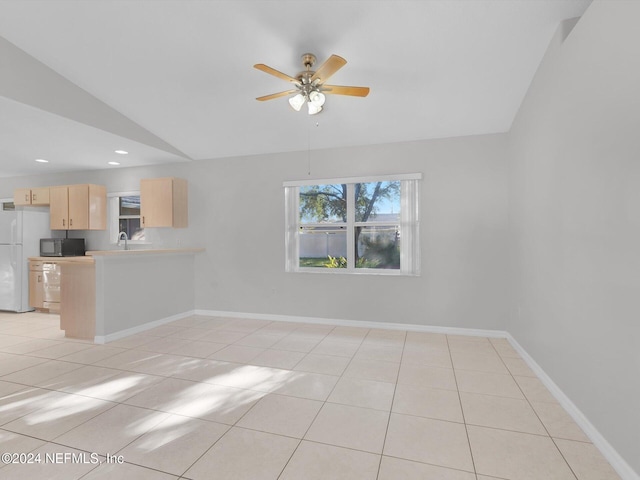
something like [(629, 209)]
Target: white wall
[(567, 176), (463, 232), (135, 290), (574, 193), (463, 220)]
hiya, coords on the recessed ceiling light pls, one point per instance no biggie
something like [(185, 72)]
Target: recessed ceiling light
[(113, 163), (41, 160), (121, 152)]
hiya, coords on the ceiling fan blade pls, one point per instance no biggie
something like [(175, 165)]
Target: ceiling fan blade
[(328, 68), (276, 95), (342, 90), (275, 73)]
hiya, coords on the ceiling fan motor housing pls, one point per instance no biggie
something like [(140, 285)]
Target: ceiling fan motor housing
[(308, 60)]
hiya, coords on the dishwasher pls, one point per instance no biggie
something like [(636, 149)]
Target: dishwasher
[(51, 283)]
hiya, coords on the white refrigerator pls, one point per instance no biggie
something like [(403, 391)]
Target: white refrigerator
[(20, 234)]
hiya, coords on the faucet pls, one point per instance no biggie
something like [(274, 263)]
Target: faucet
[(126, 246)]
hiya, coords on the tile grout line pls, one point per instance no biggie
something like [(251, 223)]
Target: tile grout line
[(464, 419), (239, 419), (312, 421), (155, 425), (534, 411), (93, 417), (195, 461), (324, 402), (53, 440), (393, 398), (258, 330)]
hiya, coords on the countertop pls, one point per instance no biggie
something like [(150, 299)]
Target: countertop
[(62, 259), (148, 251), (89, 255)]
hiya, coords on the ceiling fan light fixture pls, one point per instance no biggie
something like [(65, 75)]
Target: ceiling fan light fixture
[(314, 109), (317, 98), (310, 86), (297, 101)]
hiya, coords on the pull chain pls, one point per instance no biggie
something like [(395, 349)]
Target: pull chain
[(309, 146)]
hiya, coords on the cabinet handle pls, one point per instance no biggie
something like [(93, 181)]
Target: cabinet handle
[(39, 278), (71, 222), (34, 197), (63, 222), (143, 220), (26, 197)]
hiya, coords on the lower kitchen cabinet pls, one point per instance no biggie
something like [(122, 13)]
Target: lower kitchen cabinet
[(36, 285), (65, 286), (44, 285), (78, 301)]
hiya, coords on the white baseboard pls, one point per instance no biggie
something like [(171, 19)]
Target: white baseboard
[(357, 323), (613, 457), (102, 339), (617, 462)]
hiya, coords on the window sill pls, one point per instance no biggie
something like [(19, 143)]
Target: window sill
[(360, 271)]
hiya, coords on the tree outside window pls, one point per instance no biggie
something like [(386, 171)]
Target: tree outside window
[(353, 225), (367, 212)]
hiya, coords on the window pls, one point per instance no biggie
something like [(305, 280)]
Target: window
[(357, 225), (124, 216)]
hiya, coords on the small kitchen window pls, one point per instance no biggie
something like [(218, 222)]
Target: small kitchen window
[(124, 216)]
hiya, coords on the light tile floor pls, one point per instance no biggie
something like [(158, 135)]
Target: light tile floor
[(221, 398)]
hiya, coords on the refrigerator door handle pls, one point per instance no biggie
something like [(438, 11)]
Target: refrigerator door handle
[(14, 233)]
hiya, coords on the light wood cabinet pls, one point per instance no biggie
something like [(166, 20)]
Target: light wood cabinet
[(78, 300), (78, 207), (36, 285), (164, 202), (31, 196), (59, 208)]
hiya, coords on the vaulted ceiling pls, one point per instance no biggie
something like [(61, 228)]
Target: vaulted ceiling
[(172, 80)]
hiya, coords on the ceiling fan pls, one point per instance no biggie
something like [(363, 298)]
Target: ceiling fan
[(310, 85)]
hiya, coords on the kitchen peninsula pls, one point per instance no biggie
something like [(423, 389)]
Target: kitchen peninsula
[(114, 293)]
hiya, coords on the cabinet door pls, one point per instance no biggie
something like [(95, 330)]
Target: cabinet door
[(40, 196), (78, 207), (36, 289), (180, 203), (97, 207), (164, 202), (156, 202), (59, 208), (22, 196)]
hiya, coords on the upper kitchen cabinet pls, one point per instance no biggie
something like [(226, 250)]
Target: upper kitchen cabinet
[(164, 202), (31, 196), (78, 207)]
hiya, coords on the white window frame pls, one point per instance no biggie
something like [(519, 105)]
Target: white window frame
[(113, 208), (409, 225)]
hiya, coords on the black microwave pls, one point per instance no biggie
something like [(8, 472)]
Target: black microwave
[(61, 247)]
